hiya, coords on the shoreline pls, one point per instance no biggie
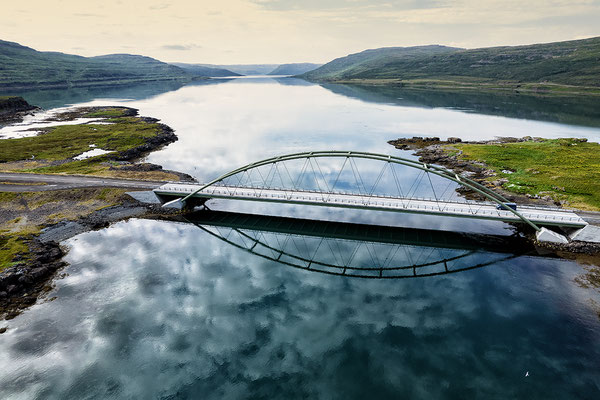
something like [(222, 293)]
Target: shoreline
[(532, 89), (432, 150), (14, 108), (31, 273)]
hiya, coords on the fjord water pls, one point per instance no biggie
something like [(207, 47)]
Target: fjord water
[(160, 309)]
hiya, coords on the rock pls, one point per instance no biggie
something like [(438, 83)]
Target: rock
[(38, 273), (454, 140), (12, 109), (547, 236), (25, 280)]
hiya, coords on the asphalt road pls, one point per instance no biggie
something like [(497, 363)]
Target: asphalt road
[(17, 182)]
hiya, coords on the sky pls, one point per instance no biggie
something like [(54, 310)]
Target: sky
[(279, 31)]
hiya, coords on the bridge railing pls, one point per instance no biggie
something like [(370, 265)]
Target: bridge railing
[(346, 171)]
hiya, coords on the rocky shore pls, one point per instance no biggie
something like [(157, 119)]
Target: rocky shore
[(432, 150), (14, 108), (31, 274), (25, 282)]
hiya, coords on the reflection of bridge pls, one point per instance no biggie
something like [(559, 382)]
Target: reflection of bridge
[(358, 250), (364, 181)]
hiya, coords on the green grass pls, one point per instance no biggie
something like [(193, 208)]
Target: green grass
[(107, 113), (10, 246), (566, 169), (570, 63), (23, 67), (67, 141)]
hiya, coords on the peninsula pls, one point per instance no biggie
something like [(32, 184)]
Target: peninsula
[(68, 179)]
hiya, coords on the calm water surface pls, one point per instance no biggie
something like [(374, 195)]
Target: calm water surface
[(159, 309)]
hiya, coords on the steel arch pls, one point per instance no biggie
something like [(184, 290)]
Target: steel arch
[(429, 168), (359, 272)]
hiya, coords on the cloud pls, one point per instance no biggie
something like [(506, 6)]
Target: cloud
[(160, 6), (316, 5), (88, 15), (180, 47)]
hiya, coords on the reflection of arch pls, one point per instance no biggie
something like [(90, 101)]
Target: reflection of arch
[(463, 248), (428, 168)]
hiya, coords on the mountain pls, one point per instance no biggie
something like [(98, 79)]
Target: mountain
[(246, 69), (575, 62), (372, 60), (23, 67), (202, 70), (294, 69)]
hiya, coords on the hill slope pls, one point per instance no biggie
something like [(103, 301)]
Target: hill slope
[(373, 59), (574, 62), (22, 67), (245, 69), (202, 70), (294, 69)]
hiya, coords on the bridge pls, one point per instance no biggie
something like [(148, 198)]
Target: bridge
[(358, 250), (368, 181)]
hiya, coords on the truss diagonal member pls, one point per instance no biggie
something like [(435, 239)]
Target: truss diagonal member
[(437, 201), (337, 177), (320, 191), (400, 193), (322, 174), (353, 155), (298, 180), (378, 178)]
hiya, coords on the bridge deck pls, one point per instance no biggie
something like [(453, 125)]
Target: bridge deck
[(480, 210)]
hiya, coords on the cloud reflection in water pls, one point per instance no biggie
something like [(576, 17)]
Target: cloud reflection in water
[(158, 309)]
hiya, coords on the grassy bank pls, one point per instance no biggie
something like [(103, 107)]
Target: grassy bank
[(568, 170), (23, 215), (122, 133), (55, 149), (462, 84)]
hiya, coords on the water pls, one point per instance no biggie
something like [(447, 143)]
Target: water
[(165, 309)]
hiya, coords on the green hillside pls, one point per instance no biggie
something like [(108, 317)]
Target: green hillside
[(575, 63), (372, 60), (245, 69), (202, 70), (22, 67), (294, 69)]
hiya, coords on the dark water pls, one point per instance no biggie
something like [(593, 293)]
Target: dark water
[(212, 308)]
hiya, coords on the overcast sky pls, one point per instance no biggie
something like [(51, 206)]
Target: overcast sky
[(278, 31)]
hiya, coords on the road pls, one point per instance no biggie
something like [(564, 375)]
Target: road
[(18, 182), (539, 215)]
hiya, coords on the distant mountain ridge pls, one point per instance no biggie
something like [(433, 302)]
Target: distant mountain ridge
[(245, 69), (575, 63), (202, 70), (294, 69), (22, 67)]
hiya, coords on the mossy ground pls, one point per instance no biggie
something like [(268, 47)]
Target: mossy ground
[(53, 151), (566, 169), (11, 246), (23, 215), (67, 141)]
